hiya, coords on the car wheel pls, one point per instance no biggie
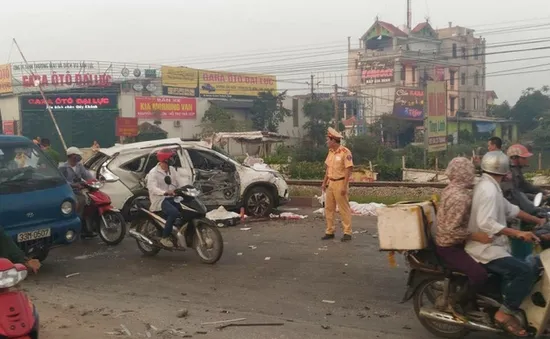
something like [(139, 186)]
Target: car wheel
[(128, 209), (259, 202)]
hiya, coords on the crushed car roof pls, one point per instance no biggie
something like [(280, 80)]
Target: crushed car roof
[(118, 148)]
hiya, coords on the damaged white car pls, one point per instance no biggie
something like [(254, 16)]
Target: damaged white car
[(222, 180)]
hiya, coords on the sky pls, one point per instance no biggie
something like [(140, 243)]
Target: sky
[(291, 39)]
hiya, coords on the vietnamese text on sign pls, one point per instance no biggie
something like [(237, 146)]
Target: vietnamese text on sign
[(5, 79), (165, 108), (70, 102), (436, 112)]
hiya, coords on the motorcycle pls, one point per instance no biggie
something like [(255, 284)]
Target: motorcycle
[(100, 216), (430, 281), (191, 230), (18, 316)]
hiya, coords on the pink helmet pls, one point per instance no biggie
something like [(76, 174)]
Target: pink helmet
[(518, 150)]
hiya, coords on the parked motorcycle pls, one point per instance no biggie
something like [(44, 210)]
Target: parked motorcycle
[(431, 287), (18, 316), (100, 216), (192, 229)]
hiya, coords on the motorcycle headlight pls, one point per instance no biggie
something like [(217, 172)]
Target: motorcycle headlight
[(11, 277), (66, 207)]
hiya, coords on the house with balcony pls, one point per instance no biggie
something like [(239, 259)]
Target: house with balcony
[(390, 69)]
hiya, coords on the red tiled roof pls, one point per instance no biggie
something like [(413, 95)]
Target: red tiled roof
[(419, 27), (349, 122), (394, 30), (491, 95)]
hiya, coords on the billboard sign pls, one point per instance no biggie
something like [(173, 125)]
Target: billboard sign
[(409, 103), (61, 102), (378, 72), (166, 108), (5, 79), (436, 122), (126, 127)]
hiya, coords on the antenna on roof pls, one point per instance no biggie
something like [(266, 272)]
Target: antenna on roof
[(409, 14)]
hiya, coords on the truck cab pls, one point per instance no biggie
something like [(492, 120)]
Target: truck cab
[(37, 205)]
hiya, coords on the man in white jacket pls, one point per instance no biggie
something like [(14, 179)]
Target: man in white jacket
[(161, 193)]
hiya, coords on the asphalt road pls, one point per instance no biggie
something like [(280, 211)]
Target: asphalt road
[(118, 286)]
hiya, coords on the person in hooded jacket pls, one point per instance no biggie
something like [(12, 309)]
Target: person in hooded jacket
[(453, 215)]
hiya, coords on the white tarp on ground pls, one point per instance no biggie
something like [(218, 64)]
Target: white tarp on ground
[(221, 214), (368, 209)]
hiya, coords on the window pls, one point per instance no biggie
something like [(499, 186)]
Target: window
[(475, 103), (463, 103), (463, 79), (483, 78), (135, 165), (464, 53), (452, 104), (295, 113), (204, 160), (476, 53), (452, 80), (476, 78), (414, 74), (96, 161), (403, 72), (454, 50)]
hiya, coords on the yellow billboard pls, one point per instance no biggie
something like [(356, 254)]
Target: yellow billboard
[(436, 116), (5, 79), (228, 84), (182, 81)]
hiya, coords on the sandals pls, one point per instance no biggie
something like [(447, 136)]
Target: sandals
[(511, 327)]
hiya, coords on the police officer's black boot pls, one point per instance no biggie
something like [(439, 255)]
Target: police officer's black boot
[(328, 237)]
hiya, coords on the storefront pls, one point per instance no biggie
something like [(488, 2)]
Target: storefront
[(82, 116)]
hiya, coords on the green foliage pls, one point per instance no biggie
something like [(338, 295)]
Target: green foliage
[(530, 107), (267, 111), (503, 111), (306, 170), (320, 113), (389, 172), (216, 119)]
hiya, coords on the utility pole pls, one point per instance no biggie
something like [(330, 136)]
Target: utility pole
[(312, 86), (336, 122), (312, 76), (39, 85)]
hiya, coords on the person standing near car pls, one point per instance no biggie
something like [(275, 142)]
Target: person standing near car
[(161, 192), (339, 165), (74, 172), (50, 152)]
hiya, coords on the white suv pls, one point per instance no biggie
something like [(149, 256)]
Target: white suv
[(222, 180)]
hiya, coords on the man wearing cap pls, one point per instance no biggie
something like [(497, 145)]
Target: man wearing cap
[(74, 171), (339, 164), (519, 158)]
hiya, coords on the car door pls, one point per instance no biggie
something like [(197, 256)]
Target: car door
[(216, 177), (182, 165)]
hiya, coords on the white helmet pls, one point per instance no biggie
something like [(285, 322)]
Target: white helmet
[(495, 162), (73, 150)]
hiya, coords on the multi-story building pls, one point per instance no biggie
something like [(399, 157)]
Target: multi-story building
[(390, 68)]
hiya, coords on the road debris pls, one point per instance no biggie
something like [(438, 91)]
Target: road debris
[(182, 313), (125, 330), (72, 275), (223, 321), (267, 258), (240, 253), (248, 325), (252, 247), (246, 228), (329, 301), (325, 327)]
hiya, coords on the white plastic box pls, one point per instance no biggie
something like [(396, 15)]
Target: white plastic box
[(406, 226)]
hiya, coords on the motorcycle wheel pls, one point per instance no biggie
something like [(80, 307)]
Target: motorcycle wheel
[(115, 232), (149, 229), (213, 249), (439, 329)]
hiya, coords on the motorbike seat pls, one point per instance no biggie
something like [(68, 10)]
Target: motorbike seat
[(143, 203)]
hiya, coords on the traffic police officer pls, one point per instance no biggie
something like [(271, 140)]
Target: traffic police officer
[(339, 165)]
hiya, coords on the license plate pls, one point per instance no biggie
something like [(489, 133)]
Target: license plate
[(33, 235)]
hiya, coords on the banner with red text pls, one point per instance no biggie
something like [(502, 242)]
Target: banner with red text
[(166, 108), (436, 116)]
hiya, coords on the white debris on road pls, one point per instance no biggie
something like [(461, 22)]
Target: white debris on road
[(221, 214), (358, 209), (287, 216)]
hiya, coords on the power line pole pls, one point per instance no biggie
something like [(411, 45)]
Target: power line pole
[(312, 76), (336, 122), (39, 85)]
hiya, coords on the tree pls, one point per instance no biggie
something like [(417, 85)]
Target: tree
[(268, 112), (320, 113), (529, 108), (503, 111), (541, 134), (216, 119), (392, 128)]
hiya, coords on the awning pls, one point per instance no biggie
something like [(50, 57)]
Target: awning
[(232, 104)]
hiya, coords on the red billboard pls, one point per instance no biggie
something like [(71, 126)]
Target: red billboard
[(8, 127), (166, 108), (126, 127)]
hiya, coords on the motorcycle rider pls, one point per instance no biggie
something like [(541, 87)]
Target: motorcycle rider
[(10, 251), (159, 191), (74, 171), (489, 212), (519, 158), (452, 233)]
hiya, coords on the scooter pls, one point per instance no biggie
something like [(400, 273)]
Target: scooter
[(192, 229), (100, 216), (18, 316)]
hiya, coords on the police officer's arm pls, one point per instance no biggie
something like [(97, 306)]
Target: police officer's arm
[(325, 179), (9, 250), (348, 165)]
